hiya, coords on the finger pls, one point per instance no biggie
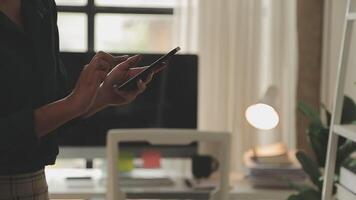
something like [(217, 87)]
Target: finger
[(101, 76), (135, 70), (107, 57), (85, 67), (128, 96), (160, 68), (103, 66), (120, 59), (99, 64), (149, 78), (141, 86), (139, 68), (130, 62)]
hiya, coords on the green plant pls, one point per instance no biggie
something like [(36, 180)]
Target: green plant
[(318, 135)]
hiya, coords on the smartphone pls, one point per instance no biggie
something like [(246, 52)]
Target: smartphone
[(131, 83)]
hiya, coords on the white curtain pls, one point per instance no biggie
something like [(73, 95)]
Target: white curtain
[(244, 46), (186, 25)]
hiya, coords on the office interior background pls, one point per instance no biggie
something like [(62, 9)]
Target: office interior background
[(242, 49)]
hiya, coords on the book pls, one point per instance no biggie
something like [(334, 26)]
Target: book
[(271, 154), (275, 149), (348, 178), (280, 159), (251, 163), (344, 194), (270, 174)]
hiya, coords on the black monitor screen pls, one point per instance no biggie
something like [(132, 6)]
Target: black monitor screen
[(170, 101)]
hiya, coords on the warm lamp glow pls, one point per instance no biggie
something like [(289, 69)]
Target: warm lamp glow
[(262, 116)]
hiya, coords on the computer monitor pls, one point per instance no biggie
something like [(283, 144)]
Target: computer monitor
[(170, 101)]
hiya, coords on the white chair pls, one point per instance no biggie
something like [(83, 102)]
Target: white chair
[(166, 137)]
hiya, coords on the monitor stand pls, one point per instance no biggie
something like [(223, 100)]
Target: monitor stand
[(89, 163)]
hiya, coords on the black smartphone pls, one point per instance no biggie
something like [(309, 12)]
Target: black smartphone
[(131, 83)]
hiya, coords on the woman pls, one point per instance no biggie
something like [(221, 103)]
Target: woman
[(34, 102)]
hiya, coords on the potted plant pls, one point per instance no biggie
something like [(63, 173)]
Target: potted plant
[(318, 135)]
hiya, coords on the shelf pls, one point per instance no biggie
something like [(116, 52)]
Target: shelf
[(347, 131), (351, 16), (344, 194)]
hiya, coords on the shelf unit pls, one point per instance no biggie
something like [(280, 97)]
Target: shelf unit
[(337, 130), (347, 131), (344, 193)]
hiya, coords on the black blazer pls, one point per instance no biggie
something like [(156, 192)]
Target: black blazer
[(31, 76)]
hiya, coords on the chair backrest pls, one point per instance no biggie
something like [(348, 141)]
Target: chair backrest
[(166, 137)]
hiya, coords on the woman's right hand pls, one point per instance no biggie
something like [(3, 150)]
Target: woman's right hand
[(88, 84)]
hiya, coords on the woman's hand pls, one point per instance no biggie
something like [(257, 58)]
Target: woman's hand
[(110, 95), (120, 74), (88, 84), (81, 100)]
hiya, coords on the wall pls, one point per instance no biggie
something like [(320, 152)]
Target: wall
[(333, 31), (309, 20)]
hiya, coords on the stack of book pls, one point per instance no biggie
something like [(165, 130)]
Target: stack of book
[(273, 166), (347, 191)]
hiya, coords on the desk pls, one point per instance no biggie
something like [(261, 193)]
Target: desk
[(59, 188)]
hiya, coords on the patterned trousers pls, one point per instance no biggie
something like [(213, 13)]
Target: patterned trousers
[(31, 186)]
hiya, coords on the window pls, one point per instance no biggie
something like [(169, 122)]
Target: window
[(137, 3), (131, 32), (145, 26), (71, 2), (72, 31)]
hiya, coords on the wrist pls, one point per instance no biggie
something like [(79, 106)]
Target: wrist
[(100, 103), (102, 100), (74, 106)]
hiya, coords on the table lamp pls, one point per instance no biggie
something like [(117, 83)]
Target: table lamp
[(264, 117)]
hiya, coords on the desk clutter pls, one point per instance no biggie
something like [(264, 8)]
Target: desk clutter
[(146, 170), (91, 184), (273, 170)]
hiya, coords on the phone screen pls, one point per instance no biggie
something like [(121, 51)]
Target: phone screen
[(131, 83)]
